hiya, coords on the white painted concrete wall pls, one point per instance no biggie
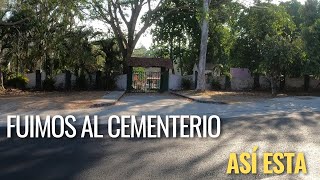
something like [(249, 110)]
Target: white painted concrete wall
[(121, 82), (314, 84), (60, 80), (32, 80), (264, 82), (175, 82), (295, 83), (239, 84)]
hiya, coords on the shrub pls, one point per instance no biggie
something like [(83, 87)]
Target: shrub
[(111, 83), (18, 81), (48, 84), (81, 82), (186, 84), (215, 84)]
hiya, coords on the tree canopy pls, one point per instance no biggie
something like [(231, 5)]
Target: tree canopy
[(271, 39)]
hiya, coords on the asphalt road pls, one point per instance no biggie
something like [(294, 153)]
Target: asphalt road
[(284, 125), (166, 104)]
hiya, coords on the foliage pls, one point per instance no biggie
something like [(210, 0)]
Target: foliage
[(311, 36), (18, 81), (48, 84), (178, 36), (143, 13), (44, 35), (215, 84), (108, 50), (269, 47), (81, 82), (179, 39), (186, 84)]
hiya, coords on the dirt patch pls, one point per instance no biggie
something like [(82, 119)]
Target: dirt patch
[(17, 92), (16, 100), (227, 96), (232, 97)]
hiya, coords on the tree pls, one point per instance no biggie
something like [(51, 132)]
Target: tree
[(277, 52), (311, 34), (222, 34), (205, 18), (266, 42), (37, 34), (293, 8), (115, 13), (178, 36), (109, 50), (201, 86)]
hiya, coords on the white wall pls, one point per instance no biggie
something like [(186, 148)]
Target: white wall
[(295, 83), (314, 83), (60, 80), (264, 82), (239, 84), (32, 80), (175, 82), (121, 82)]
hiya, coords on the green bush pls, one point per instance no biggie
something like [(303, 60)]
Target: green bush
[(48, 84), (215, 84), (186, 84), (18, 81), (111, 83)]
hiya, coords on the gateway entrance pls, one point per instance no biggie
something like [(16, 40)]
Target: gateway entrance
[(148, 74), (146, 80)]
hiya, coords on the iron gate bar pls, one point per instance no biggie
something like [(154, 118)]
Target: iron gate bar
[(146, 81)]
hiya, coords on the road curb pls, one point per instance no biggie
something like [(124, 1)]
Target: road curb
[(111, 103), (198, 100)]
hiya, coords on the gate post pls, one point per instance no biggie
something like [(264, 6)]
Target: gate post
[(282, 82), (195, 79), (256, 81), (129, 79), (98, 80), (67, 84), (227, 83), (306, 82), (164, 81), (38, 79)]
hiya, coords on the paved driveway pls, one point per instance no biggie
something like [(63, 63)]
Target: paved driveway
[(285, 124)]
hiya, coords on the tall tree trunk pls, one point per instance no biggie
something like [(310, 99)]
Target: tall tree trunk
[(126, 55), (273, 86), (1, 80), (171, 50), (201, 85)]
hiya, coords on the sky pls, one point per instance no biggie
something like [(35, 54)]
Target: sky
[(146, 38)]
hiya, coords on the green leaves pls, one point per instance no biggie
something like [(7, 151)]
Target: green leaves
[(265, 42)]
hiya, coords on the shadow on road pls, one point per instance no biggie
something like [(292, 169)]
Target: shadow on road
[(157, 158)]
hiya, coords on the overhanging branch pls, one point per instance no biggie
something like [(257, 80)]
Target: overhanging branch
[(2, 23)]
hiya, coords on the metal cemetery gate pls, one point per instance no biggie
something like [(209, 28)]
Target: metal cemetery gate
[(146, 81), (150, 80)]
